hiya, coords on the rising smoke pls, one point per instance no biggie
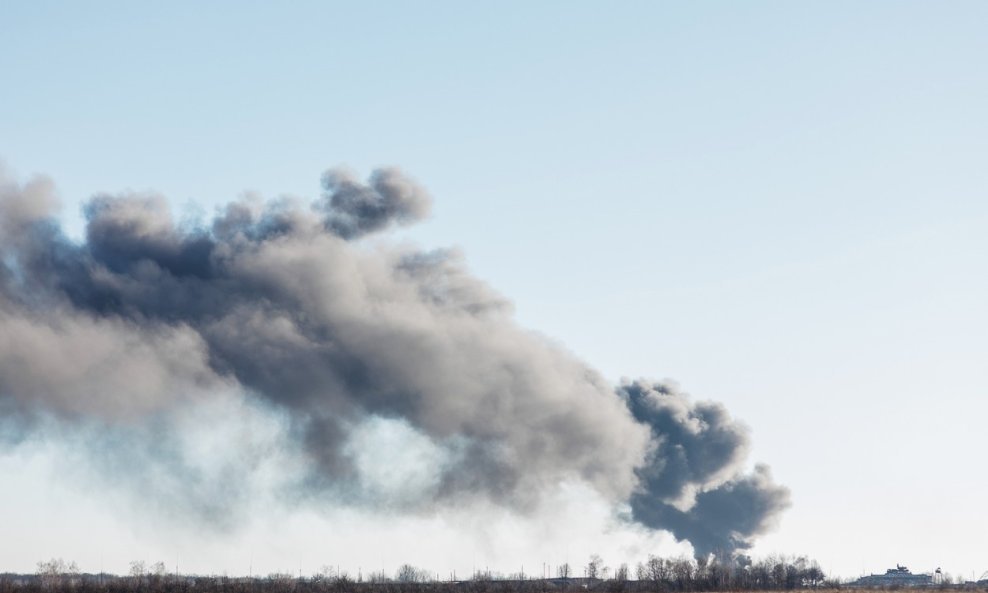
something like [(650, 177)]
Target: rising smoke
[(282, 302)]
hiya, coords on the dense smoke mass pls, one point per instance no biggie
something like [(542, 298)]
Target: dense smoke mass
[(282, 303)]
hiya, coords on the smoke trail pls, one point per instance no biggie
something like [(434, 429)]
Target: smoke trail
[(282, 302)]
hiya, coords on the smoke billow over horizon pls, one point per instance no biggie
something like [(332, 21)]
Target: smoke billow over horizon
[(281, 303)]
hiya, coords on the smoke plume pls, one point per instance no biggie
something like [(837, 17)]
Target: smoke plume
[(282, 302)]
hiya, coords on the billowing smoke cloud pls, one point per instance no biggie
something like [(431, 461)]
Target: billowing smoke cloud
[(690, 482), (279, 301), (354, 209)]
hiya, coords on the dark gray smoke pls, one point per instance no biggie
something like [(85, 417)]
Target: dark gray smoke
[(354, 209), (280, 301), (691, 482)]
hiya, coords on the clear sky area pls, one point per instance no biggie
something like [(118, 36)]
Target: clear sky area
[(781, 206)]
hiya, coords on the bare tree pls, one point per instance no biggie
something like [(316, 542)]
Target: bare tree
[(138, 568), (683, 571), (593, 566), (380, 577), (342, 581), (53, 572), (409, 574), (657, 569), (563, 571), (621, 574), (641, 572)]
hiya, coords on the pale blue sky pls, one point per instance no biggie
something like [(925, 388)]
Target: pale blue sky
[(780, 205)]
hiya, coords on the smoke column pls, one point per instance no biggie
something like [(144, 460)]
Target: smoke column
[(283, 303)]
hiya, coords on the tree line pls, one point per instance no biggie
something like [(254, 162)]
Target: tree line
[(656, 574)]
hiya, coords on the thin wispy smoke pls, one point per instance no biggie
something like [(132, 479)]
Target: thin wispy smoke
[(281, 302)]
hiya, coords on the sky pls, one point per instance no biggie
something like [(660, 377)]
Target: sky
[(781, 206)]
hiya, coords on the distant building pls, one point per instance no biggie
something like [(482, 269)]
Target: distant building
[(898, 576)]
